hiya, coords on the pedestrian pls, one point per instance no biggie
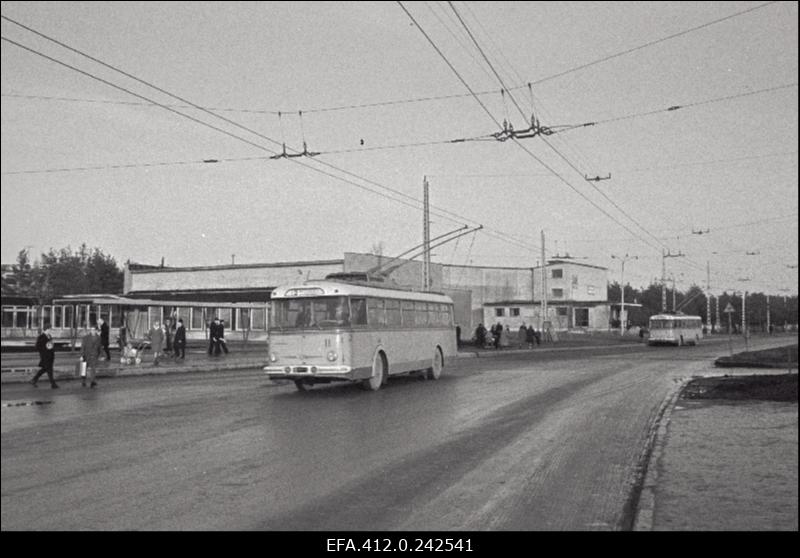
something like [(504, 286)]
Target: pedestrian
[(179, 343), (122, 339), (480, 336), (458, 336), (522, 335), (167, 336), (221, 337), (91, 345), (47, 356), (498, 335), (104, 334), (212, 337), (538, 335), (505, 339), (156, 336), (530, 337)]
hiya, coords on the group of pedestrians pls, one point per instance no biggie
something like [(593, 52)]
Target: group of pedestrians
[(498, 336), (166, 340), (216, 337)]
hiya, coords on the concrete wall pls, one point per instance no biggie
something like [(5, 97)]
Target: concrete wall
[(578, 283), (531, 314), (229, 277)]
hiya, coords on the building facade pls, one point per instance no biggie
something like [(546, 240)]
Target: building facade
[(576, 293)]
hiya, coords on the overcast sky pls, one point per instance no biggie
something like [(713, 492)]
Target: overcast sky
[(83, 161)]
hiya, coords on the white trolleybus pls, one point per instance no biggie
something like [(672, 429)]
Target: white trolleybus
[(357, 331), (675, 329)]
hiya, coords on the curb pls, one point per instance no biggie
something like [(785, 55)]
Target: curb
[(644, 501), (23, 375)]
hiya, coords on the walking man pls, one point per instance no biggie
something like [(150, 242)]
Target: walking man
[(179, 343), (213, 338), (104, 333), (47, 356), (221, 337), (90, 352)]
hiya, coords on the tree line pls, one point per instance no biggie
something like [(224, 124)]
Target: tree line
[(782, 309), (90, 271), (62, 272)]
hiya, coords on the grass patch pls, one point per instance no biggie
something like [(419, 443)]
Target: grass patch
[(782, 387), (780, 357)]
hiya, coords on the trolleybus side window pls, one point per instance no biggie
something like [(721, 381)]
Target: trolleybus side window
[(393, 312), (377, 317), (407, 310)]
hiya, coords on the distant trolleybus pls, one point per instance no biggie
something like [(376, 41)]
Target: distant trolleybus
[(333, 330), (675, 329)]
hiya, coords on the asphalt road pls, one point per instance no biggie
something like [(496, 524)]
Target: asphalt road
[(520, 442)]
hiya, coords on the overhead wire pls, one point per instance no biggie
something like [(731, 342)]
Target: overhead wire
[(445, 97), (417, 203), (500, 79)]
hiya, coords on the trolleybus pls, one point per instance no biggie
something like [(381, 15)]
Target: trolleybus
[(334, 330), (675, 329)]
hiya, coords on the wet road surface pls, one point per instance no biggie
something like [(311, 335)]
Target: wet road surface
[(520, 442)]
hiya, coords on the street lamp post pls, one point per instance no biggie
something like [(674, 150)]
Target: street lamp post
[(622, 317)]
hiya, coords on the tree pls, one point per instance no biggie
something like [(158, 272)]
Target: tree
[(61, 272)]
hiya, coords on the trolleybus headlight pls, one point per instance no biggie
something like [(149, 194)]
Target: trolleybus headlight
[(273, 357), (332, 356), (288, 369), (313, 369)]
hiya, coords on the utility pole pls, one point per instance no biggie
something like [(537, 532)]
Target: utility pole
[(663, 281), (622, 317), (744, 320), (709, 325), (426, 236), (674, 293), (544, 288), (664, 256), (768, 323)]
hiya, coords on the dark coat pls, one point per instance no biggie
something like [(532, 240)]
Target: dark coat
[(180, 336), (104, 332), (90, 348), (47, 355)]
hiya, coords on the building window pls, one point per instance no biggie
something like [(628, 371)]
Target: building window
[(557, 293), (499, 312), (561, 311), (515, 312), (259, 316), (557, 273)]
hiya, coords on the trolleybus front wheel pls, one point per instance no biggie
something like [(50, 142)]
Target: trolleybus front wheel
[(374, 382)]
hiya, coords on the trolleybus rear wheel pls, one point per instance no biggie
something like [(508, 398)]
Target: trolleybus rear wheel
[(435, 371)]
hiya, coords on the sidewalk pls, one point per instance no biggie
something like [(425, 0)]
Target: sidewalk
[(20, 367), (725, 462)]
